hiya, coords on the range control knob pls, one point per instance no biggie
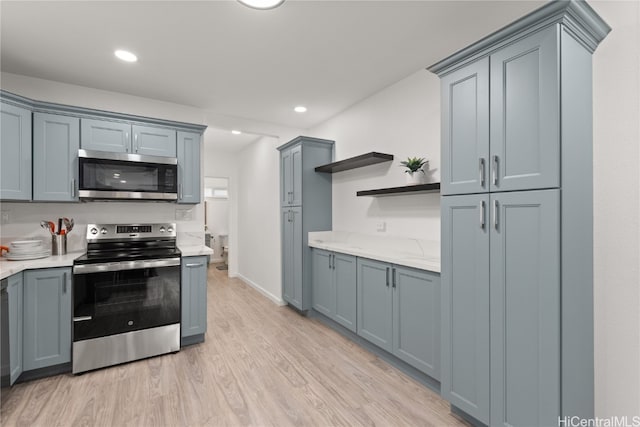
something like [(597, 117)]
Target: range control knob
[(162, 229), (170, 229), (103, 231), (94, 230)]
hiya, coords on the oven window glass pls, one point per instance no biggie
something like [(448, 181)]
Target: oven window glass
[(115, 175), (124, 301)]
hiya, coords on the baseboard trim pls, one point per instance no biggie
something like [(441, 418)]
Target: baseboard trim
[(254, 285)]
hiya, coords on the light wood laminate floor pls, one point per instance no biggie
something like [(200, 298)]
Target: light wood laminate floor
[(260, 365)]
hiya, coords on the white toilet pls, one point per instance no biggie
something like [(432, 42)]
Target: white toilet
[(224, 242)]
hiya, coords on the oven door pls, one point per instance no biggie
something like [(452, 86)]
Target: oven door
[(118, 297), (127, 176)]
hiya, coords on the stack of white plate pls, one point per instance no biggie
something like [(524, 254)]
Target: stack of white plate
[(21, 250)]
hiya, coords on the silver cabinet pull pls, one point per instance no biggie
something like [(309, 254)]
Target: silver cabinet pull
[(495, 170), (82, 318), (73, 187), (482, 220), (329, 261), (387, 277), (394, 276), (495, 214), (179, 190), (64, 283), (334, 261), (135, 138), (127, 142), (481, 167), (195, 265)]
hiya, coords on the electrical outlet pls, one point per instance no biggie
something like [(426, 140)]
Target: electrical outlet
[(184, 214), (4, 217), (381, 226)]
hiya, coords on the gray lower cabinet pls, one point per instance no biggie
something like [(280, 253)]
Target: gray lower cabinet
[(56, 140), (194, 296), (416, 318), (525, 308), (334, 286), (292, 243), (15, 294), (398, 310), (47, 317), (189, 190), (153, 141), (15, 153), (501, 306), (465, 376)]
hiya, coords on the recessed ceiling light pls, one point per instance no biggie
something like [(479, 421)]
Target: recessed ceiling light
[(300, 109), (262, 4), (236, 132), (126, 56)]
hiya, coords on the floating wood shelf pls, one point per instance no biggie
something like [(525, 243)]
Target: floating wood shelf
[(422, 188), (355, 162)]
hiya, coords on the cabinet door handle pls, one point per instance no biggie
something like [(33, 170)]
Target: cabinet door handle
[(329, 261), (127, 142), (482, 171), (64, 283), (334, 261), (195, 265), (482, 220), (387, 277), (179, 190), (495, 214), (73, 187), (135, 139), (394, 276), (495, 170)]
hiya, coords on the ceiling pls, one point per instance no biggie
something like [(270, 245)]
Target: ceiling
[(224, 140), (228, 59)]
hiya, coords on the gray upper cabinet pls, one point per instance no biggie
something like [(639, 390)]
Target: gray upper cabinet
[(416, 318), (525, 103), (334, 286), (47, 317), (154, 141), (56, 140), (15, 153), (189, 177), (465, 129), (375, 321), (105, 135), (291, 176), (525, 308), (305, 200), (194, 296), (15, 294), (465, 380)]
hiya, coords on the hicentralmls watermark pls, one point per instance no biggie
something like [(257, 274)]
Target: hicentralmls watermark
[(623, 421)]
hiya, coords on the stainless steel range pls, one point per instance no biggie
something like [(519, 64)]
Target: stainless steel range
[(126, 294)]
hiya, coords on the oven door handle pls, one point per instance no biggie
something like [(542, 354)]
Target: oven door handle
[(124, 265)]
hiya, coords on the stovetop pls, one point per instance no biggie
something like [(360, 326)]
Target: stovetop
[(127, 255)]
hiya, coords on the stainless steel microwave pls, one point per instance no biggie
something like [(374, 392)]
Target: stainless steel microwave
[(122, 176)]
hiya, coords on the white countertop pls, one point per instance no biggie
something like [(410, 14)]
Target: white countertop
[(416, 253), (8, 268), (195, 250)]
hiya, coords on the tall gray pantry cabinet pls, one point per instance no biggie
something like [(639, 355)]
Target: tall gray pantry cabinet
[(305, 205), (517, 239)]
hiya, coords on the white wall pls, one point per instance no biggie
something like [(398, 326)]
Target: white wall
[(259, 218), (617, 211), (403, 120)]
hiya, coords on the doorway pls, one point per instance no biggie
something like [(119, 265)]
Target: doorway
[(216, 219)]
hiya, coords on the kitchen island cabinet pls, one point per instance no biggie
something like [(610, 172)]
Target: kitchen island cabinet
[(193, 322)]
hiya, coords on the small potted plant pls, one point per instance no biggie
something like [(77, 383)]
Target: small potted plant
[(415, 173)]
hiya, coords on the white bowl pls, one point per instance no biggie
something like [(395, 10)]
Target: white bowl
[(26, 243)]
